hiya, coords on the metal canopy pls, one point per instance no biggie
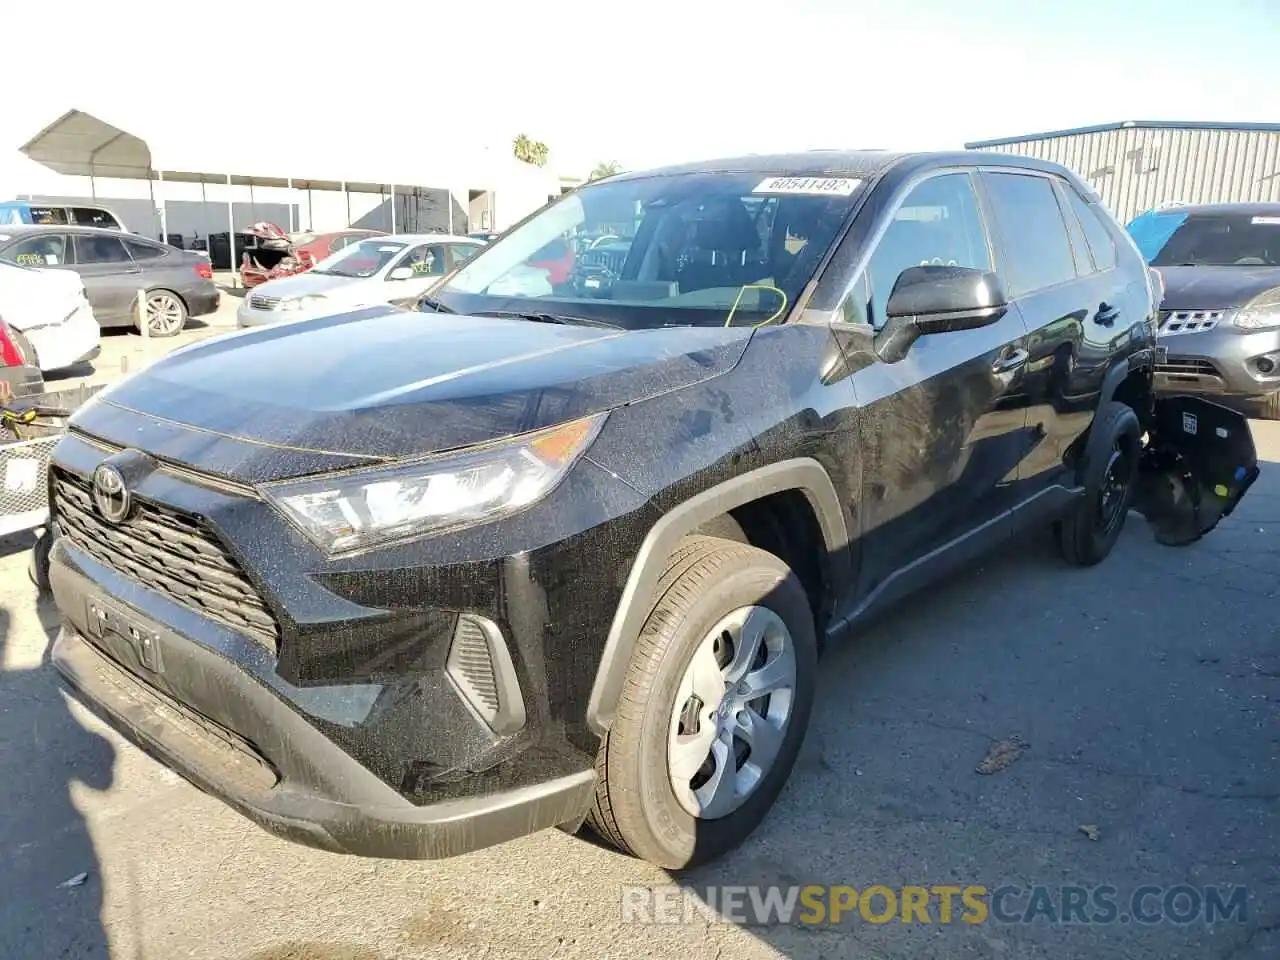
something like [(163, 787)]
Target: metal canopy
[(308, 157), (80, 144)]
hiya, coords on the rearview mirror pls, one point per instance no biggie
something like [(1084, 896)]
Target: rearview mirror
[(401, 273), (938, 299)]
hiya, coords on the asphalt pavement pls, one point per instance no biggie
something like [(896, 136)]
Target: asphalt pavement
[(1144, 695)]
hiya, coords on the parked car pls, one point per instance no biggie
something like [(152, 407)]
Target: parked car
[(17, 212), (20, 375), (1220, 317), (51, 312), (366, 272), (283, 255), (405, 584), (114, 267)]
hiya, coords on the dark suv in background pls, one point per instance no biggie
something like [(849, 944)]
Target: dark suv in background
[(406, 583), (1220, 317)]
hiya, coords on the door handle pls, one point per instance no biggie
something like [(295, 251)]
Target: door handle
[(1010, 361), (1106, 314)]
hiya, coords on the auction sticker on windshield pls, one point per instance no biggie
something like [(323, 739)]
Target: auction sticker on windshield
[(1269, 221), (821, 186)]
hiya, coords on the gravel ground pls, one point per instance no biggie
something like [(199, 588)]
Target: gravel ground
[(1146, 689)]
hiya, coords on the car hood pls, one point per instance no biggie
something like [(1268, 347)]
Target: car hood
[(383, 384), (311, 283), (1215, 288)]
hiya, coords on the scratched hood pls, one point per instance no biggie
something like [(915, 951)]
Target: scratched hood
[(1215, 288), (383, 384)]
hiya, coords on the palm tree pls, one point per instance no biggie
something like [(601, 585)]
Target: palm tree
[(529, 150), (606, 168)]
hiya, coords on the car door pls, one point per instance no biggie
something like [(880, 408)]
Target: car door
[(1049, 275), (111, 278), (943, 427)]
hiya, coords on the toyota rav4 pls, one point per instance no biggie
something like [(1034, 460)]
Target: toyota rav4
[(408, 582)]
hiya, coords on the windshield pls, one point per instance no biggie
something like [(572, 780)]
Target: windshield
[(692, 249), (362, 259), (1212, 239)]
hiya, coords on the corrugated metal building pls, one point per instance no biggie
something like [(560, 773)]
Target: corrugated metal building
[(1140, 164)]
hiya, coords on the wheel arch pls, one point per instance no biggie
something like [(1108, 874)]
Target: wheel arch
[(802, 474)]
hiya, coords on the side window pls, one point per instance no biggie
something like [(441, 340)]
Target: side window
[(100, 248), (48, 215), (1037, 251), (425, 261), (938, 223), (45, 250), (1101, 243), (460, 253), (143, 251), (93, 217), (1079, 244)]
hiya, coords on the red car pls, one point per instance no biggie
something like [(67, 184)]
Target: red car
[(278, 254)]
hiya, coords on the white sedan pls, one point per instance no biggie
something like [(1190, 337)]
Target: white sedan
[(49, 308), (361, 274)]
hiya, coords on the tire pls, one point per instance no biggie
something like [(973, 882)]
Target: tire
[(707, 581), (1087, 534), (38, 562), (166, 313)]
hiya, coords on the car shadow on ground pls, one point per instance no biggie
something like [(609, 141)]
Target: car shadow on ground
[(1132, 709), (52, 873)]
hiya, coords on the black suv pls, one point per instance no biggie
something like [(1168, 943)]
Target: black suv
[(405, 583)]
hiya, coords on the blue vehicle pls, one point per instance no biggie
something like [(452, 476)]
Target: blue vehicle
[(23, 211)]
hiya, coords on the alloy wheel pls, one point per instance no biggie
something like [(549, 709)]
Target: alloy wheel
[(731, 712)]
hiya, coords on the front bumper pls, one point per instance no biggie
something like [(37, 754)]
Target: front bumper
[(203, 715), (1222, 362)]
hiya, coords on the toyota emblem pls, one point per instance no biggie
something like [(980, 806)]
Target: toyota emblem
[(110, 494)]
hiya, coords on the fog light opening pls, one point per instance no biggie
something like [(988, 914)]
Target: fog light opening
[(479, 664), (1265, 365)]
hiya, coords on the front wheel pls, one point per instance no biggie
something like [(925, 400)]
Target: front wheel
[(713, 709), (1087, 534)]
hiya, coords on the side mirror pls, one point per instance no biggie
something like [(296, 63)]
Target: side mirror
[(938, 299), (401, 273)]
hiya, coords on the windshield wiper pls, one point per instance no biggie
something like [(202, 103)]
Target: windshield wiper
[(434, 304), (537, 317)]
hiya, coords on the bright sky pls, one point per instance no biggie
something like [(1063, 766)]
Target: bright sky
[(641, 83)]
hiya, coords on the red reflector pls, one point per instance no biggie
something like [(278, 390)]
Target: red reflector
[(204, 271), (10, 352)]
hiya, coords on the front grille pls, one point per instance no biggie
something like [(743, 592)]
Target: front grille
[(1173, 322), (259, 302), (1188, 369), (24, 486), (169, 551), (611, 260)]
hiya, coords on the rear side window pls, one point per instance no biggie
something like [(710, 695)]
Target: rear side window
[(460, 253), (1101, 245), (101, 248), (48, 215), (94, 217), (143, 251), (1037, 251), (44, 250)]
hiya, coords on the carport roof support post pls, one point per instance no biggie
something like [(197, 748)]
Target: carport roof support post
[(231, 232)]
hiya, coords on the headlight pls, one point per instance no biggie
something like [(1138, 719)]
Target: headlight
[(352, 511), (304, 302), (1260, 312)]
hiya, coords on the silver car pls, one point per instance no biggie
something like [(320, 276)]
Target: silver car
[(373, 271), (1220, 317), (115, 266)]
